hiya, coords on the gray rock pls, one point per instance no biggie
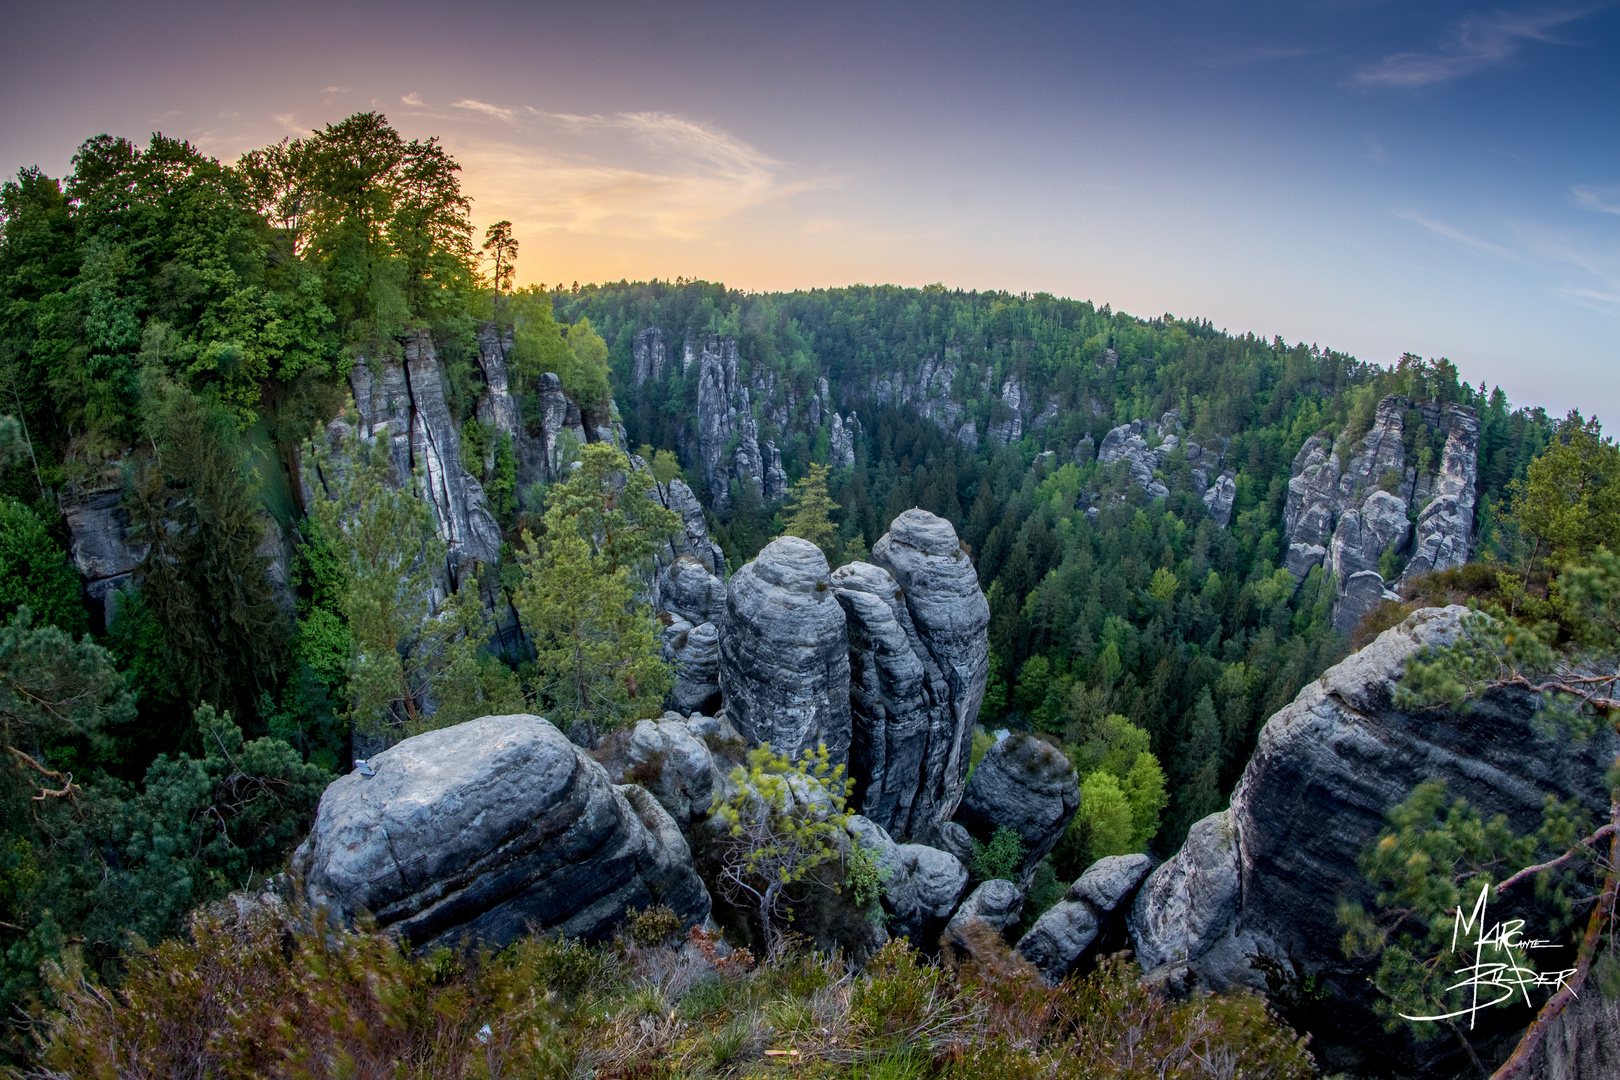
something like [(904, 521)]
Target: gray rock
[(950, 618), (1009, 427), (1362, 594), (1110, 882), (1265, 876), (728, 434), (673, 764), (498, 410), (696, 653), (952, 837), (1444, 530), (1220, 497), (1059, 938), (996, 904), (1363, 535), (898, 696), (1091, 910), (784, 654), (841, 440), (776, 477), (923, 885), (929, 391), (688, 589), (693, 538), (1583, 1042), (1025, 785), (490, 829), (99, 544), (648, 356)]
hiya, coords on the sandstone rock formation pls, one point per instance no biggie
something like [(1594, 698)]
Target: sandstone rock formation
[(728, 434), (949, 617), (1346, 516), (1025, 785), (100, 545), (994, 905), (488, 828), (1264, 877), (672, 762), (403, 400), (1094, 905), (923, 884), (695, 652), (1129, 443), (784, 654)]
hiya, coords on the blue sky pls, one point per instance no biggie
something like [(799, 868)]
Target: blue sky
[(1375, 177)]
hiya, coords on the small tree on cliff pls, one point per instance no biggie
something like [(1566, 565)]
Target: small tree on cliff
[(596, 644), (781, 824), (1437, 855)]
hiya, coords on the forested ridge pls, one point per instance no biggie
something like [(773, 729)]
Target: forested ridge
[(176, 334)]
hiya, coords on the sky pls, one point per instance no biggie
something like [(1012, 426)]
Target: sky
[(1374, 177)]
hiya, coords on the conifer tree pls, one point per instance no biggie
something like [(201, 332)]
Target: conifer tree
[(810, 511)]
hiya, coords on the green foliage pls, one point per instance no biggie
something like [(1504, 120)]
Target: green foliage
[(864, 876), (34, 570), (597, 658), (275, 994), (809, 511), (1568, 502), (784, 819), (405, 652), (55, 691), (1001, 858)]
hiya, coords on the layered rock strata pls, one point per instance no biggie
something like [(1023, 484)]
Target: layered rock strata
[(1346, 516), (922, 884), (1264, 877), (1090, 915), (784, 653), (1026, 785), (491, 829)]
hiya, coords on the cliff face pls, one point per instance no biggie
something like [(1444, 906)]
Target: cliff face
[(1344, 516), (1264, 877)]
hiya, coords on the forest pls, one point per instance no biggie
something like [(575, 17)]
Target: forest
[(177, 332)]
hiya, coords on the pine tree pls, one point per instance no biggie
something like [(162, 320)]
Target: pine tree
[(596, 645), (810, 511)]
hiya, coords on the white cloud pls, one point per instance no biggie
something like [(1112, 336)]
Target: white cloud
[(629, 174), (1605, 200), (1476, 43), (1456, 235), (413, 98)]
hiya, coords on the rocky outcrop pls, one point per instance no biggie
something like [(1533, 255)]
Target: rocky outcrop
[(693, 538), (949, 618), (728, 434), (1026, 785), (1345, 516), (648, 357), (403, 400), (1007, 420), (695, 652), (994, 905), (498, 410), (922, 884), (1264, 877), (490, 829), (1090, 913), (672, 762), (1583, 1043), (99, 544), (1220, 497), (784, 653), (841, 439), (1145, 449), (928, 390)]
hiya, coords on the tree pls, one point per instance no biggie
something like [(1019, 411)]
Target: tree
[(1437, 853), (412, 652), (1569, 499), (782, 822), (203, 580), (34, 571), (810, 510), (503, 248), (597, 652)]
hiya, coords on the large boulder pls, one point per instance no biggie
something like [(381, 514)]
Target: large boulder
[(489, 829), (949, 618), (1026, 785), (784, 655), (994, 906), (695, 652), (1263, 878), (1090, 915), (923, 883)]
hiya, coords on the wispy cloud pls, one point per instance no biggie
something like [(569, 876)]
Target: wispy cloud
[(412, 98), (1474, 44), (1605, 200), (651, 175), (1454, 234)]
